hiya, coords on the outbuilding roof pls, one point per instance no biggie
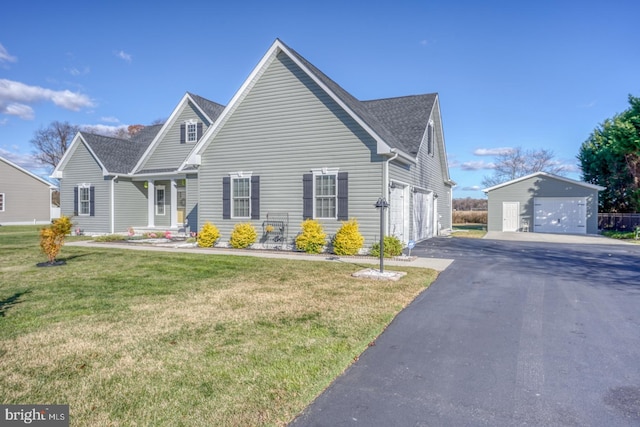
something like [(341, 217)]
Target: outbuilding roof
[(546, 175)]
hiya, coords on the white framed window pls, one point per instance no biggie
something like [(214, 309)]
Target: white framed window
[(192, 131), (325, 194), (84, 200), (430, 139), (241, 197), (1, 202), (160, 200)]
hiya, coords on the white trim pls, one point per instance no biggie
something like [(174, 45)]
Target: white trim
[(81, 187), (173, 206), (381, 146), (194, 123), (151, 199), (547, 175), (325, 172), (171, 121), (164, 199), (233, 178)]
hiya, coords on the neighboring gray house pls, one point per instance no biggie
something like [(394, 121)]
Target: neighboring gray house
[(290, 145), (543, 203), (24, 197)]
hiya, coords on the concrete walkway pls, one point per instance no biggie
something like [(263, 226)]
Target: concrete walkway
[(438, 264)]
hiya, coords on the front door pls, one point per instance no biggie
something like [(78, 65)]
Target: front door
[(182, 204), (510, 216)]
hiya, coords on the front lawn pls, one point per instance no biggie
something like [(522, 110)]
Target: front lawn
[(174, 339), (474, 231)]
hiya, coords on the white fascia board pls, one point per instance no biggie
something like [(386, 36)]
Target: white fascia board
[(548, 175), (214, 128), (165, 128), (58, 170)]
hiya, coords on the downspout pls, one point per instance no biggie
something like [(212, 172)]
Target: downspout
[(113, 204), (385, 180)]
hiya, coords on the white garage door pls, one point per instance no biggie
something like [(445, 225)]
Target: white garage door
[(399, 213), (560, 215), (423, 216)]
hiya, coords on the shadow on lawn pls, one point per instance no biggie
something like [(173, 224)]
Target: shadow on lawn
[(7, 303)]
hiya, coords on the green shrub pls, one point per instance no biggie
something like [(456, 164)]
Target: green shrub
[(348, 240), (312, 238), (392, 247), (208, 236), (243, 235)]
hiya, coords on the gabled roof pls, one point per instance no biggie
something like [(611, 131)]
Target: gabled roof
[(405, 117), (397, 124), (26, 172), (211, 110), (546, 175)]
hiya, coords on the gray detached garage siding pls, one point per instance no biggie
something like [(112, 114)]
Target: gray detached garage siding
[(535, 196)]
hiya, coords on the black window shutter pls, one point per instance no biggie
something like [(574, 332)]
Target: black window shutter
[(226, 197), (183, 133), (307, 196), (343, 196), (92, 201), (255, 197), (75, 201), (199, 131)]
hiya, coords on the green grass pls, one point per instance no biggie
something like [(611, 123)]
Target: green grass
[(622, 235), (474, 231), (174, 339)]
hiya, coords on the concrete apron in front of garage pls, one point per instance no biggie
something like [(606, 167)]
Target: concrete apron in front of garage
[(578, 239)]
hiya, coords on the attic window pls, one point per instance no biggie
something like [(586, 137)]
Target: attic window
[(430, 138), (192, 132)]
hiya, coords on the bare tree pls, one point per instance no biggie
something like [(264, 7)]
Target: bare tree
[(51, 142), (518, 162)]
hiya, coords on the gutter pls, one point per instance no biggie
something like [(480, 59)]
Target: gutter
[(113, 204)]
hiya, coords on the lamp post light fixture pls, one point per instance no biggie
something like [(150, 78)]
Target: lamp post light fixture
[(382, 204)]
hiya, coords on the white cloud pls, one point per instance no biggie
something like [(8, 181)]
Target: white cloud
[(492, 151), (424, 42), (16, 97), (76, 72), (4, 55), (123, 55), (476, 165), (26, 161), (471, 188), (106, 130), (20, 110), (109, 119)]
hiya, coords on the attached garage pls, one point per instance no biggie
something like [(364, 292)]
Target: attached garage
[(544, 203)]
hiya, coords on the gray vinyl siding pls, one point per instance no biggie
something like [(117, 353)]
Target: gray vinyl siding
[(170, 152), (428, 172), (538, 186), (131, 205), (83, 168), (192, 202), (285, 127), (26, 199)]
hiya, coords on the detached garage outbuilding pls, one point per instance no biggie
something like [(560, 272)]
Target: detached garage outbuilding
[(543, 203)]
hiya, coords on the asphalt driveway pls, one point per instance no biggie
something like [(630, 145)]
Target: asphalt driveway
[(512, 333)]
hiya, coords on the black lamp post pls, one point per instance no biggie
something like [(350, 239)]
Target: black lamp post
[(382, 204)]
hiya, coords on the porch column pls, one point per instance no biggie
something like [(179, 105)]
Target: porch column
[(151, 197), (174, 203)]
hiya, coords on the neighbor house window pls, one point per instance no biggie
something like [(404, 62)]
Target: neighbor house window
[(326, 195), (1, 202), (84, 198), (160, 200), (241, 190)]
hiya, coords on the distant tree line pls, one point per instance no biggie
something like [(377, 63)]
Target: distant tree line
[(469, 204)]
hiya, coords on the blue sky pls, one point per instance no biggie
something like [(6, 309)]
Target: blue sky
[(538, 74)]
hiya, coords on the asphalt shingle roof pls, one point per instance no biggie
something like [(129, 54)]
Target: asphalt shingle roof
[(388, 118), (121, 155), (213, 109)]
